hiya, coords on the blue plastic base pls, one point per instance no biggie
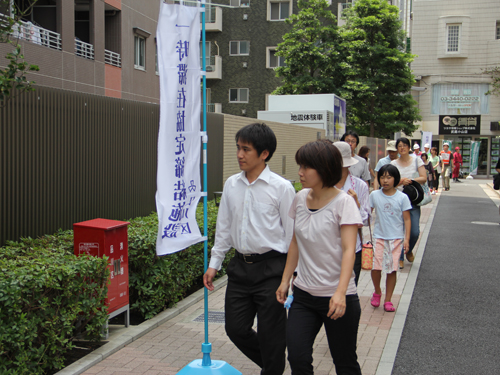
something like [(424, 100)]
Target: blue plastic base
[(217, 368)]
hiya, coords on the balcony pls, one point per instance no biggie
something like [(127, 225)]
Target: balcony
[(112, 58), (213, 19), (214, 67), (84, 50), (32, 33)]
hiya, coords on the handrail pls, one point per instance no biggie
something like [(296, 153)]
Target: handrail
[(112, 58), (35, 34), (85, 50)]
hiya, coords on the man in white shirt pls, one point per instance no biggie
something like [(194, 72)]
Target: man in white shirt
[(253, 219), (359, 169), (392, 154)]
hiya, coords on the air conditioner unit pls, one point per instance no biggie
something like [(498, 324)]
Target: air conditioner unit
[(210, 68)]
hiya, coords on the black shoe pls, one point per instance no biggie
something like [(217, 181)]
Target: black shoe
[(458, 180)]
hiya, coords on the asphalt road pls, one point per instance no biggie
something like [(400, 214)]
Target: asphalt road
[(453, 324)]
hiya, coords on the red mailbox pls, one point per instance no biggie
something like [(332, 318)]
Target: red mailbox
[(102, 237)]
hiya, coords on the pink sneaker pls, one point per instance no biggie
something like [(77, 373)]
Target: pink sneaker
[(375, 301), (389, 307)]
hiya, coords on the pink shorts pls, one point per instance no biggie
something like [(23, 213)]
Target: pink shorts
[(386, 254)]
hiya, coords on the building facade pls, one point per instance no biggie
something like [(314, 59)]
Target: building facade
[(241, 41), (456, 41), (100, 47)]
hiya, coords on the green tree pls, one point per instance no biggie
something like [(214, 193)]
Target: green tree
[(309, 50), (13, 76), (377, 71)]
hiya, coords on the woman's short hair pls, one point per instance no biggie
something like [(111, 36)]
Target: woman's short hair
[(363, 152), (392, 171), (404, 140), (435, 150), (424, 154), (324, 157)]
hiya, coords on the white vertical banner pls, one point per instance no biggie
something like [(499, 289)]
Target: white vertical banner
[(179, 139), (426, 138), (474, 157)]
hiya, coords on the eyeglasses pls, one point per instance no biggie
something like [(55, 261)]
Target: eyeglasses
[(351, 141)]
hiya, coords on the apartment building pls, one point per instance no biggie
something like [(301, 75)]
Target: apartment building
[(456, 41), (102, 47), (241, 40)]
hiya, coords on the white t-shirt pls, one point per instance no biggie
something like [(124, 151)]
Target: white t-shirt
[(319, 242), (389, 223), (409, 170), (360, 169)]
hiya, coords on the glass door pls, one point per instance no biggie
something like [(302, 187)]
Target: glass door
[(483, 164)]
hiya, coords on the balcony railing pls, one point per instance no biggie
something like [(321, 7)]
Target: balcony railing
[(84, 50), (112, 58), (35, 34)]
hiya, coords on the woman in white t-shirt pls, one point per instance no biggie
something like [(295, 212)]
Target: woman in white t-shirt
[(323, 252), (410, 168)]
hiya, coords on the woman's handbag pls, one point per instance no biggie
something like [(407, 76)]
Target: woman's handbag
[(427, 192), (367, 252)]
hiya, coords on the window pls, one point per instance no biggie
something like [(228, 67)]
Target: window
[(238, 95), (139, 52), (239, 47), (279, 10), (453, 38), (274, 61), (240, 3), (498, 30)]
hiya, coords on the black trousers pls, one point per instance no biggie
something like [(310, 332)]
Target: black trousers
[(251, 291), (305, 318)]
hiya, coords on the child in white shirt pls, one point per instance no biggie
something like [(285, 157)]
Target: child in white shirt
[(392, 230)]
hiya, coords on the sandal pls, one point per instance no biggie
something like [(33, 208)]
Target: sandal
[(375, 301), (389, 307)]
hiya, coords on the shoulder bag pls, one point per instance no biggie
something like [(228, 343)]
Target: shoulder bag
[(427, 192)]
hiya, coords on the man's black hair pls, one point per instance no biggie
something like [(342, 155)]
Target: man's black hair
[(392, 171), (351, 133), (260, 136)]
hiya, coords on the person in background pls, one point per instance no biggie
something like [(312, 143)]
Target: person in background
[(356, 188), (364, 152), (253, 219), (409, 168), (392, 154), (360, 169), (430, 171), (416, 150), (323, 251), (436, 164), (446, 165), (427, 150), (457, 163)]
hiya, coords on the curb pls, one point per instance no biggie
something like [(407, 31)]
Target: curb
[(390, 351), (135, 332)]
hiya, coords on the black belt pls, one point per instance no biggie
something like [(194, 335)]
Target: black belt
[(254, 258)]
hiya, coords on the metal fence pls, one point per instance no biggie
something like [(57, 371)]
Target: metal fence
[(67, 157)]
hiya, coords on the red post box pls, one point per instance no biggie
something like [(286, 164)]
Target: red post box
[(102, 237)]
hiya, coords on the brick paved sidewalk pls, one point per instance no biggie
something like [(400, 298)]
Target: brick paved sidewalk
[(168, 348)]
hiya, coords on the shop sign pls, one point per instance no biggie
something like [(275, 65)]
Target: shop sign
[(459, 124)]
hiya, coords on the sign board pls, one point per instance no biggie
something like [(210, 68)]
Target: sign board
[(459, 124)]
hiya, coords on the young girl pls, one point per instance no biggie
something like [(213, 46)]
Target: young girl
[(392, 230)]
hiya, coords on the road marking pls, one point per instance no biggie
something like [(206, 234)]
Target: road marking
[(484, 223)]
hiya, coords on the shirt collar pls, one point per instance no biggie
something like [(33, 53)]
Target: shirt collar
[(265, 175)]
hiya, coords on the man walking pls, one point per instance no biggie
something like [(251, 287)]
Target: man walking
[(392, 154), (457, 163), (446, 165), (360, 169), (253, 219)]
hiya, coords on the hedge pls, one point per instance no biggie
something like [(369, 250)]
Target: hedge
[(48, 296)]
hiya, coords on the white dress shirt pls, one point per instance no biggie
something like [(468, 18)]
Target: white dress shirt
[(253, 218), (361, 189)]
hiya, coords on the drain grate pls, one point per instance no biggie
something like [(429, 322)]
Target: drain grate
[(213, 317)]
